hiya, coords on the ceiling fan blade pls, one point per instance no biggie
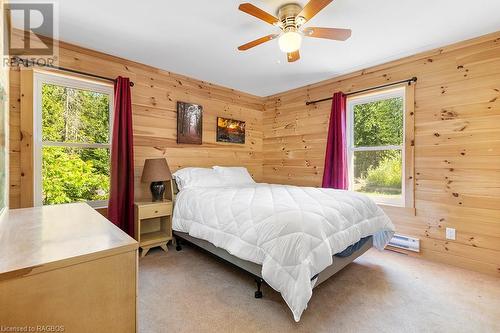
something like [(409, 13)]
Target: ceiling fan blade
[(293, 56), (328, 33), (258, 13), (256, 42), (313, 7)]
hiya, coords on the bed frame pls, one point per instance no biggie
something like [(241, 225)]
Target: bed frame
[(254, 269)]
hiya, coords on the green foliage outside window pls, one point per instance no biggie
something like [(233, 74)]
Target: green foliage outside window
[(387, 174), (378, 123), (71, 174)]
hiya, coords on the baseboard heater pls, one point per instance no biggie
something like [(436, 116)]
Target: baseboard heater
[(405, 243)]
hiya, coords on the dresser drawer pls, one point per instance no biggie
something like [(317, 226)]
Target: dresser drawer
[(155, 210)]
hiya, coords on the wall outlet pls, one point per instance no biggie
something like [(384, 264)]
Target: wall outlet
[(450, 233)]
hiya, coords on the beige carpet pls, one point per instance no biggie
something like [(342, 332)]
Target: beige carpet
[(190, 291)]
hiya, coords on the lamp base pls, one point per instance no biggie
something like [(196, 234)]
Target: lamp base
[(157, 190)]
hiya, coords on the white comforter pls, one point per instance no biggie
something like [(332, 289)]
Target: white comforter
[(291, 231)]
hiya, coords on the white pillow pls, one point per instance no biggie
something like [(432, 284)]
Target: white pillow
[(234, 175), (197, 177)]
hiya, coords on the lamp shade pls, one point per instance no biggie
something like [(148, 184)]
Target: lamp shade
[(155, 170), (290, 41)]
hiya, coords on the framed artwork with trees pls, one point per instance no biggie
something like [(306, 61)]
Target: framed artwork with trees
[(189, 123), (230, 130)]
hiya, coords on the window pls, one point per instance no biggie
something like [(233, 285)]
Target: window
[(376, 145), (72, 140)]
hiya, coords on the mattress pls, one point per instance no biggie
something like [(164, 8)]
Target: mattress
[(291, 231), (352, 248)]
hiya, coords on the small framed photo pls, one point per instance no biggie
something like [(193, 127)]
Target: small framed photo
[(230, 130), (189, 123)]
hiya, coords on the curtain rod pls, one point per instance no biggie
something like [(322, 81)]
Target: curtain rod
[(413, 79), (26, 62)]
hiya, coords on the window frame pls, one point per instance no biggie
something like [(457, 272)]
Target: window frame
[(5, 107), (401, 91), (39, 79)]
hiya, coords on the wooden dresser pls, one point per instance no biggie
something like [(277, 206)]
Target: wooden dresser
[(66, 266)]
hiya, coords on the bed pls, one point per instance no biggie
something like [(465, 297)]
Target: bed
[(292, 238)]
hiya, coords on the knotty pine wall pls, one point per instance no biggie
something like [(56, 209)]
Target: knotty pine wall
[(4, 83), (457, 137), (457, 146), (154, 99)]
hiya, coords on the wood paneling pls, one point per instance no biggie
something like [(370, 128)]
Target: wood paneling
[(457, 146), (4, 118), (26, 145), (457, 137), (154, 99)]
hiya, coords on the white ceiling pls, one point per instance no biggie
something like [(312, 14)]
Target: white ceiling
[(198, 38)]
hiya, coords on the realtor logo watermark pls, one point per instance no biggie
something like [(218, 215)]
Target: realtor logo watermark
[(31, 33)]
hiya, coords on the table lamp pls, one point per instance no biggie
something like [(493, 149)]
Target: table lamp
[(156, 171)]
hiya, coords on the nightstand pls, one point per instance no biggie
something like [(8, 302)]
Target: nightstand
[(153, 224)]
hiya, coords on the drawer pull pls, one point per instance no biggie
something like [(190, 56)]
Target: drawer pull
[(156, 212)]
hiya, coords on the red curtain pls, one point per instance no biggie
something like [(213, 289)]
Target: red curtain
[(335, 174), (121, 199)]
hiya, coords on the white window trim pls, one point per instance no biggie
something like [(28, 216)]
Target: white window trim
[(39, 79), (374, 97)]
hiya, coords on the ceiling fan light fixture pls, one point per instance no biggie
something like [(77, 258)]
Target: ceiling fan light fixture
[(290, 41), (290, 19)]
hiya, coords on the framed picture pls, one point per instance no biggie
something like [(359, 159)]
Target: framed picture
[(230, 130), (189, 123)]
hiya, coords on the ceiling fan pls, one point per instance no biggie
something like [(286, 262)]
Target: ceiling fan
[(291, 18)]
